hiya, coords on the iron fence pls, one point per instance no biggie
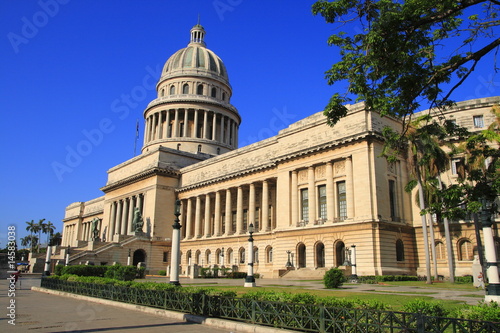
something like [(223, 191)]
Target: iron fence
[(299, 317)]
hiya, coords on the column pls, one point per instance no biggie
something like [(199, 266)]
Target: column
[(349, 187), (197, 218), (312, 195), (123, 229), (214, 126), (251, 207), (265, 206), (118, 217), (112, 221), (186, 119), (330, 213), (131, 216), (235, 142), (207, 216), (140, 203), (295, 198), (157, 125), (221, 138), (189, 218), (195, 123), (229, 227), (146, 126), (217, 215), (167, 123), (205, 124), (239, 211), (226, 140), (176, 124), (160, 125)]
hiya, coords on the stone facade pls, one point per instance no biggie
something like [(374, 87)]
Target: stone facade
[(311, 192)]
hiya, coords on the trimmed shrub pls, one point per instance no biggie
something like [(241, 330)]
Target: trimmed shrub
[(84, 270), (483, 311), (58, 269), (162, 272), (428, 308), (334, 278), (464, 279), (236, 275), (123, 273)]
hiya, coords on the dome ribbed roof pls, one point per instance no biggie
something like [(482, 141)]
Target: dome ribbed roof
[(195, 59)]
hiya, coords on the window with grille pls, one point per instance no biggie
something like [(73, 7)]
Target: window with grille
[(322, 202), (465, 250), (342, 200), (304, 197), (478, 121), (393, 200), (400, 250)]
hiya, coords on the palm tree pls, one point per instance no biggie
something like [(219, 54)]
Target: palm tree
[(49, 230), (26, 241), (40, 229), (32, 228), (57, 239)]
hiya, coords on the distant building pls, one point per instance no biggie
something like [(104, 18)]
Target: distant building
[(312, 190)]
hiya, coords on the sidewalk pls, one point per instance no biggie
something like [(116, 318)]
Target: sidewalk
[(42, 312)]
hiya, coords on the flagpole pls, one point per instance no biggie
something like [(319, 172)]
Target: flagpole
[(136, 136)]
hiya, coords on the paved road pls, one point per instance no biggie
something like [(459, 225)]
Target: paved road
[(41, 312)]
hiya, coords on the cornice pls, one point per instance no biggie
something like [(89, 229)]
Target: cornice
[(140, 176)]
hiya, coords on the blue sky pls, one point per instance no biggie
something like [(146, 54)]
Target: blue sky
[(68, 64)]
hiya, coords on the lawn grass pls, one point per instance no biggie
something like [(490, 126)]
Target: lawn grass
[(394, 300)]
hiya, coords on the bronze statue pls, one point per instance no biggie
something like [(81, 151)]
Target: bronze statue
[(95, 229), (137, 223)]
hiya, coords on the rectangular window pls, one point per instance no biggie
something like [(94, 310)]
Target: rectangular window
[(165, 256), (322, 202), (233, 221), (457, 167), (245, 219), (393, 200), (478, 121), (342, 200), (304, 197), (257, 219)]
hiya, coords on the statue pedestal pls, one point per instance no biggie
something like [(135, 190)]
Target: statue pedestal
[(140, 234)]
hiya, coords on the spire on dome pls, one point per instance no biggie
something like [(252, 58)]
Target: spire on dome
[(198, 34)]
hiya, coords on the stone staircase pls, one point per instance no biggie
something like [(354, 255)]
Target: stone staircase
[(305, 274)]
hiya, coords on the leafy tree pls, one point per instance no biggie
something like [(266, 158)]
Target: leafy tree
[(403, 54), (57, 239)]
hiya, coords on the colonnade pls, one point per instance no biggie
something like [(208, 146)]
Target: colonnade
[(68, 234), (230, 211), (322, 193), (122, 215), (201, 124)]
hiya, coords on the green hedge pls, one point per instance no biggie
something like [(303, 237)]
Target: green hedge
[(119, 272)]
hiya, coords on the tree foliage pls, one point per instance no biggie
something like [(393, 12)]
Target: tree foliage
[(404, 55)]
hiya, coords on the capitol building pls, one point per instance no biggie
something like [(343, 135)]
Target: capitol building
[(311, 192)]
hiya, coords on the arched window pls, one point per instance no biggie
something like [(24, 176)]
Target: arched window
[(301, 252), (214, 92), (198, 257), (440, 252), (400, 250), (185, 88), (178, 146), (256, 255), (162, 92), (465, 250), (172, 90), (320, 255), (208, 257), (188, 257), (339, 254), (199, 89), (223, 96), (269, 254), (242, 255), (230, 256)]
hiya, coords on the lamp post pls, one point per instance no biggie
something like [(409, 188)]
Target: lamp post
[(128, 258), (250, 280), (288, 263), (222, 258), (176, 245), (67, 256), (354, 275), (493, 288), (46, 270)]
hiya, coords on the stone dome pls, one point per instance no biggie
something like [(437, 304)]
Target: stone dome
[(195, 59)]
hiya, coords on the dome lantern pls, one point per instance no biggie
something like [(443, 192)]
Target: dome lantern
[(198, 35)]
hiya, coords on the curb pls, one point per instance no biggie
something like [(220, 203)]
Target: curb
[(232, 326)]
